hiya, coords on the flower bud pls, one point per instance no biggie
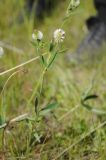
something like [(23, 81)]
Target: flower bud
[(37, 35)]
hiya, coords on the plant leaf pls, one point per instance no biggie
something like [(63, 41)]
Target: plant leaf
[(51, 47), (64, 50), (37, 137), (88, 107), (99, 112), (90, 97), (48, 108), (52, 59), (86, 98), (43, 60), (36, 105)]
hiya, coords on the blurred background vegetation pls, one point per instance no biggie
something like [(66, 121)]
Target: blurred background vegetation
[(64, 83)]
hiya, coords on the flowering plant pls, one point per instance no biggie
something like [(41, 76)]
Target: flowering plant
[(51, 53)]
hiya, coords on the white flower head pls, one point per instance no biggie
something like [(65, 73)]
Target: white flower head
[(59, 35), (75, 3), (37, 35), (1, 51)]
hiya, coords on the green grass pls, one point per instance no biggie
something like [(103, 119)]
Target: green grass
[(63, 83)]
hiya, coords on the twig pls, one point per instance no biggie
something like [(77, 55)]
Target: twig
[(8, 80), (72, 110), (19, 118), (14, 120), (20, 65)]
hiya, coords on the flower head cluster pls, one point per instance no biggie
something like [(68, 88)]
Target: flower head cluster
[(37, 35), (1, 51), (59, 35)]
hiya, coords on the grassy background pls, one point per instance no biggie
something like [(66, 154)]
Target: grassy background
[(64, 83)]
